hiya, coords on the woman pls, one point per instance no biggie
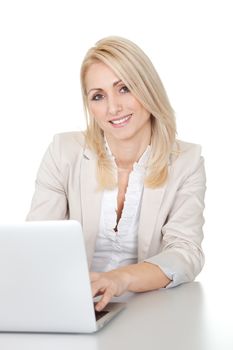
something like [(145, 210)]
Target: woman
[(137, 191)]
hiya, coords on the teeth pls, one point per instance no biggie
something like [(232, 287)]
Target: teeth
[(119, 121)]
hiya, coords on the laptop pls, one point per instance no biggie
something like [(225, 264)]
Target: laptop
[(44, 280)]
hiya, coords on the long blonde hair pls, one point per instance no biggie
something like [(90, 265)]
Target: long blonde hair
[(136, 70)]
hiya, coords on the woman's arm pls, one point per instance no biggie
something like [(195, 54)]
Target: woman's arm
[(181, 256), (139, 277)]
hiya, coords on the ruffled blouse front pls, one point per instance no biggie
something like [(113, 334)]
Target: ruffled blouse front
[(115, 249)]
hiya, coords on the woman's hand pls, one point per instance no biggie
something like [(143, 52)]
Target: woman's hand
[(109, 284), (139, 277)]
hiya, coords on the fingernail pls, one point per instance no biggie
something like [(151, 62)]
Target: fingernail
[(98, 308)]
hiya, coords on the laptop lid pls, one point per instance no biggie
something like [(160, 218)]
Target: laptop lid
[(45, 284)]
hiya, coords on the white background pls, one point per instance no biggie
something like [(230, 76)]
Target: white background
[(42, 44)]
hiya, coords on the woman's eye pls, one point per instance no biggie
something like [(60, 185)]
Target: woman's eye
[(97, 97), (124, 89)]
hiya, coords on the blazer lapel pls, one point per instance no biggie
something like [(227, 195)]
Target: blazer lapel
[(90, 202), (151, 203)]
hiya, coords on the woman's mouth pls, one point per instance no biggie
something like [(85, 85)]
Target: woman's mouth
[(119, 122)]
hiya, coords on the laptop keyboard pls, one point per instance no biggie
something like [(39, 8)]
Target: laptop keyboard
[(100, 314)]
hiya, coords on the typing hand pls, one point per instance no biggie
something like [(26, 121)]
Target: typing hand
[(108, 284)]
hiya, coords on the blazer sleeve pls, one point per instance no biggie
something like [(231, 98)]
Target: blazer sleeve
[(181, 257), (49, 201)]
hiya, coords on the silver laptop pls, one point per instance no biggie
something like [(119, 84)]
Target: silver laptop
[(44, 280)]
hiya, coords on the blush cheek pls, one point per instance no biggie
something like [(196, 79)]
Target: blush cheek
[(101, 122), (99, 112)]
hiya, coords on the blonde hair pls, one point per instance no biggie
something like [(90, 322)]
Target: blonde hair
[(136, 70)]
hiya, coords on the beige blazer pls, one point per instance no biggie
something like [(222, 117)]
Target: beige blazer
[(171, 219)]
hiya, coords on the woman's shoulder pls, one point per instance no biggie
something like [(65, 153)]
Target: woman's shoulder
[(68, 145), (187, 148), (186, 154), (70, 139)]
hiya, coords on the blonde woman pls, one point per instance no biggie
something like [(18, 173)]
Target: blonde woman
[(137, 190)]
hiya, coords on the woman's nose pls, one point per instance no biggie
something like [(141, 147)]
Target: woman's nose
[(114, 106)]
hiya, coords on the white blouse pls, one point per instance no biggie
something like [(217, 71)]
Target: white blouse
[(115, 249)]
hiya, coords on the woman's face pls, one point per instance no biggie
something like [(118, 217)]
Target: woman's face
[(118, 113)]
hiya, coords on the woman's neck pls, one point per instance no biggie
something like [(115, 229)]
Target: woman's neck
[(126, 153)]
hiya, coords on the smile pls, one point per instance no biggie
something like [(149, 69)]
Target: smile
[(121, 121)]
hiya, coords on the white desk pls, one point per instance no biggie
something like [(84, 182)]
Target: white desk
[(183, 318)]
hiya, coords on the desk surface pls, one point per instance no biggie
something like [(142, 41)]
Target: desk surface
[(187, 317)]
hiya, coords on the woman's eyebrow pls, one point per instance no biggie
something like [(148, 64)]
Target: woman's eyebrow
[(117, 82), (100, 89), (94, 89)]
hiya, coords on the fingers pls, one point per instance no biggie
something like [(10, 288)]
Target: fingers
[(107, 296), (108, 284), (102, 286)]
